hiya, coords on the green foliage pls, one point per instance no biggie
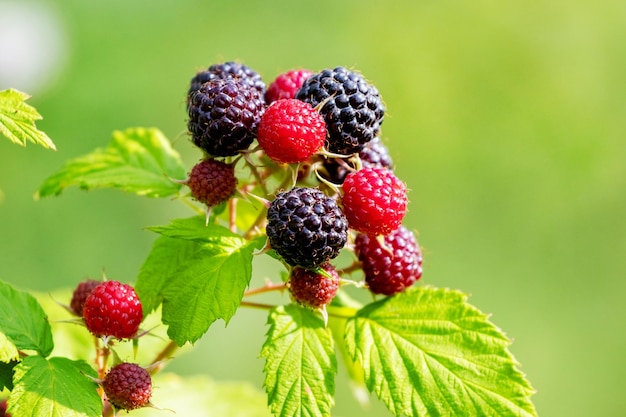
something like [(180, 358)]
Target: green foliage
[(300, 363), (23, 322), (428, 352), (204, 282), (137, 160), (55, 387), (6, 374), (17, 120), (424, 352)]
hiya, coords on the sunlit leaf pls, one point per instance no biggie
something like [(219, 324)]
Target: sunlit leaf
[(23, 321), (55, 387), (137, 160), (204, 280), (17, 120), (300, 363), (427, 352)]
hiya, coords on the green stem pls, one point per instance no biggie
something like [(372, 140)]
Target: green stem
[(255, 173), (252, 230), (159, 360), (261, 306)]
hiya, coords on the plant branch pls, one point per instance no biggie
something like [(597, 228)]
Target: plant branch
[(268, 287), (159, 360), (261, 306)]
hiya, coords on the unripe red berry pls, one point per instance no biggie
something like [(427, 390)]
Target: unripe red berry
[(80, 294), (128, 386), (113, 309), (286, 85), (313, 289), (391, 268), (212, 182)]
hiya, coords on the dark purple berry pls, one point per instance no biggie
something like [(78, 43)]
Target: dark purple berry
[(306, 227), (224, 115), (352, 108), (227, 70)]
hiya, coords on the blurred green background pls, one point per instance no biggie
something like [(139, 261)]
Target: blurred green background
[(506, 120)]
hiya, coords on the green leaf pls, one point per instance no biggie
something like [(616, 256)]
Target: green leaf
[(167, 256), (300, 363), (23, 321), (427, 352), (6, 374), (137, 160), (195, 228), (55, 387), (205, 280), (17, 120), (8, 351), (338, 317)]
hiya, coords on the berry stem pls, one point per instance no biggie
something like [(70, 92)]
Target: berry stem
[(189, 203), (159, 361), (232, 214), (358, 284), (252, 230), (102, 357), (261, 306), (269, 286), (255, 172), (107, 410), (356, 266)]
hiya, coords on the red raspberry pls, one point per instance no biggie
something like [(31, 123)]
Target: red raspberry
[(113, 309), (128, 386), (212, 182), (311, 288), (393, 268), (291, 131), (81, 293), (286, 85), (3, 408), (374, 201)]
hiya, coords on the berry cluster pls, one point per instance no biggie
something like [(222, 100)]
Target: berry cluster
[(320, 133), (308, 147), (112, 310)]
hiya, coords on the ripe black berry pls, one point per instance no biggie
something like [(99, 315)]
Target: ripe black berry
[(224, 115), (352, 108), (306, 227), (227, 70)]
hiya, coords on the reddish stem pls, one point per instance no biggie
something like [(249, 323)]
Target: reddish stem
[(269, 286)]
